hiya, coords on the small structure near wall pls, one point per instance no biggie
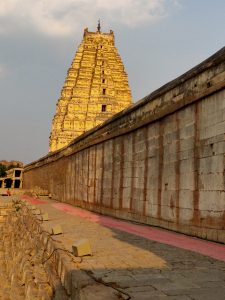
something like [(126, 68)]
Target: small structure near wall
[(13, 179)]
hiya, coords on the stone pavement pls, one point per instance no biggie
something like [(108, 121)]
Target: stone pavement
[(139, 267)]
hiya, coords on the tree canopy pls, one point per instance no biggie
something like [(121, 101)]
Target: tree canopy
[(2, 170)]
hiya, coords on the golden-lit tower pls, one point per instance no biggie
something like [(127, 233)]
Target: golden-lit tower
[(96, 87)]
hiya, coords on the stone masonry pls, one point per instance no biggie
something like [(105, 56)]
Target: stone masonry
[(21, 259), (159, 162), (35, 265)]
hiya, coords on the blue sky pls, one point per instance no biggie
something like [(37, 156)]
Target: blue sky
[(158, 40)]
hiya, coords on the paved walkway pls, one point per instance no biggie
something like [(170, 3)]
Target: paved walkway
[(141, 261)]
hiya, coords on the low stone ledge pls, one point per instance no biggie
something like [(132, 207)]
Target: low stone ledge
[(38, 267)]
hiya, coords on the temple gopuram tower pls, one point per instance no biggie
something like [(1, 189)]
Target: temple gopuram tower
[(96, 87)]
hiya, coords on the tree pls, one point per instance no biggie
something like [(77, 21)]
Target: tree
[(2, 170), (10, 167)]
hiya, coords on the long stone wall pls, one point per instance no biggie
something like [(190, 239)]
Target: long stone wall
[(160, 162)]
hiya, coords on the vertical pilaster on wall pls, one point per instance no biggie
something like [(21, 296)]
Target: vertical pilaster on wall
[(121, 174), (94, 194), (102, 176), (132, 172), (145, 169), (82, 162), (177, 168), (153, 169), (78, 176), (88, 173), (117, 173), (99, 173), (74, 179), (70, 196), (196, 213), (66, 161), (84, 175), (81, 191), (160, 173), (86, 167), (68, 181), (113, 171), (107, 178), (127, 171), (91, 174)]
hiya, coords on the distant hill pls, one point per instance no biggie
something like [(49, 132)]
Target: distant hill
[(12, 163)]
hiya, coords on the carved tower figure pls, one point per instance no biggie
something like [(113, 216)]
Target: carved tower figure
[(96, 87)]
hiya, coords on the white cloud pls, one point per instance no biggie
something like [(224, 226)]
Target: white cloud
[(63, 17)]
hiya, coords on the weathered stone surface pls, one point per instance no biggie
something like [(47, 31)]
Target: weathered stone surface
[(36, 266), (81, 247), (160, 162), (57, 230)]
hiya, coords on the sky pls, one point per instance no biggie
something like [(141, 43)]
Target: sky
[(158, 40)]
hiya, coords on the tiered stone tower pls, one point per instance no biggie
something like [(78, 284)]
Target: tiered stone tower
[(96, 87)]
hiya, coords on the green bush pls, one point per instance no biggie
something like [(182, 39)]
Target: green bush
[(2, 170)]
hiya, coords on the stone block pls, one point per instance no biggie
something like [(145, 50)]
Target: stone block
[(186, 199), (221, 236), (187, 181), (152, 194), (151, 209), (56, 230), (187, 143), (168, 213), (186, 154), (81, 248), (45, 217), (4, 212), (219, 148), (212, 164), (211, 181), (212, 234), (187, 165), (185, 215), (212, 201)]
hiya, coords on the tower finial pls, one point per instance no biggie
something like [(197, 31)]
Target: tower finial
[(99, 26)]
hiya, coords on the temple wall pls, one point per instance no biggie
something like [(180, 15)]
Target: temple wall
[(159, 162)]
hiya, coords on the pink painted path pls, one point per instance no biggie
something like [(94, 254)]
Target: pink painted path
[(32, 200), (182, 241)]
